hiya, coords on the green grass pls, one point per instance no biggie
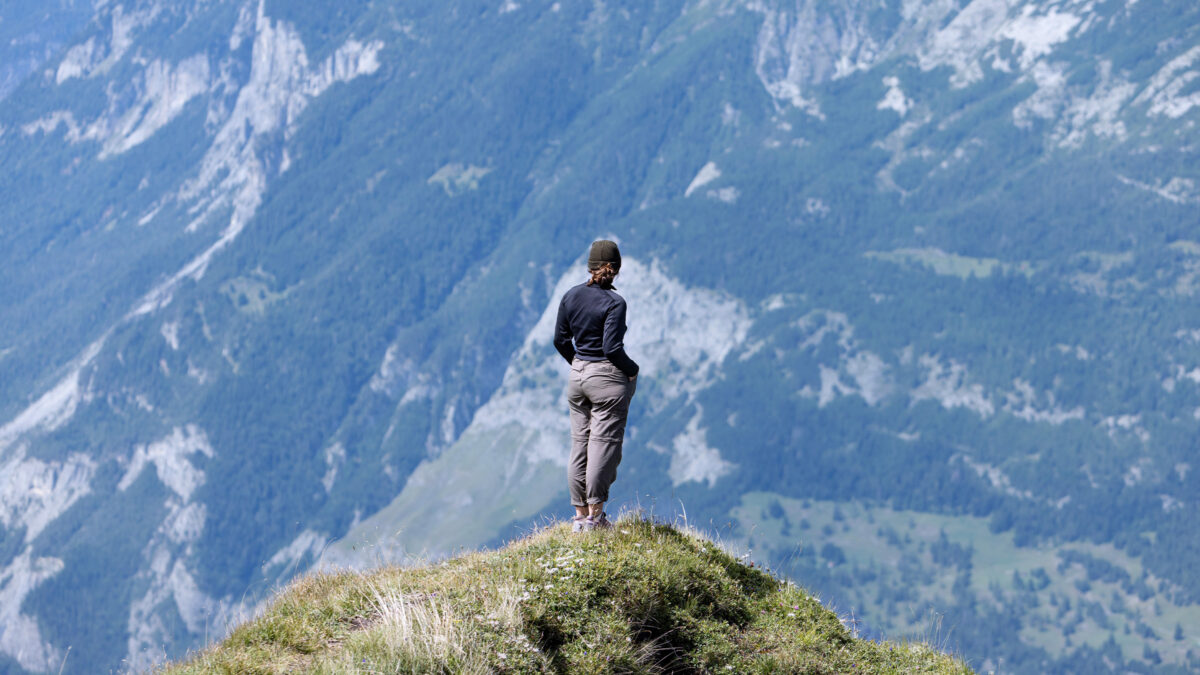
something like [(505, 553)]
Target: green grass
[(880, 544), (948, 264), (456, 179), (643, 597), (251, 295)]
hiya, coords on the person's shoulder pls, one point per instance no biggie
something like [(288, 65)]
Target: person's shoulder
[(574, 290), (594, 293), (614, 297)]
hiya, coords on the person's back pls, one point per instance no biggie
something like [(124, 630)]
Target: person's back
[(591, 327), (590, 335)]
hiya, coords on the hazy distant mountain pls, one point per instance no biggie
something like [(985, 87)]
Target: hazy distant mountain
[(912, 283), (34, 32)]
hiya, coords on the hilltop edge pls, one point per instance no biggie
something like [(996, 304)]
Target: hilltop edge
[(645, 597)]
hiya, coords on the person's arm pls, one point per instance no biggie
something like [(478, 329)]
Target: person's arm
[(562, 334), (614, 340)]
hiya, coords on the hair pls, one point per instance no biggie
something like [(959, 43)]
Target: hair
[(603, 276)]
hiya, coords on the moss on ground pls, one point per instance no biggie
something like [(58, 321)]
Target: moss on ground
[(644, 597)]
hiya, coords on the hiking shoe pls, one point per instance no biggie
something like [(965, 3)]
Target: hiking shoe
[(580, 524), (600, 522)]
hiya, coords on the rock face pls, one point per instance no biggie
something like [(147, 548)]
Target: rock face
[(277, 282)]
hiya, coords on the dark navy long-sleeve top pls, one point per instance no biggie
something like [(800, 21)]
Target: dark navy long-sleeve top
[(594, 318)]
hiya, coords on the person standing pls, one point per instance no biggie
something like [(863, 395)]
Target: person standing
[(590, 335)]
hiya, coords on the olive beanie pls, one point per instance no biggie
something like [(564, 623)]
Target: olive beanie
[(604, 251)]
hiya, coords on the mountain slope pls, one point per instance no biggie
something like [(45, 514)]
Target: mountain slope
[(34, 32), (268, 268), (643, 598)]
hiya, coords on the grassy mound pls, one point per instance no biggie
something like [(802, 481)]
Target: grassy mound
[(643, 598)]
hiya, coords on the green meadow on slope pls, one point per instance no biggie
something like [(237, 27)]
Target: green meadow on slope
[(905, 572), (644, 597)]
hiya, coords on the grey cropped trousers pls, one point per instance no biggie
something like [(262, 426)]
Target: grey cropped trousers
[(598, 394)]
